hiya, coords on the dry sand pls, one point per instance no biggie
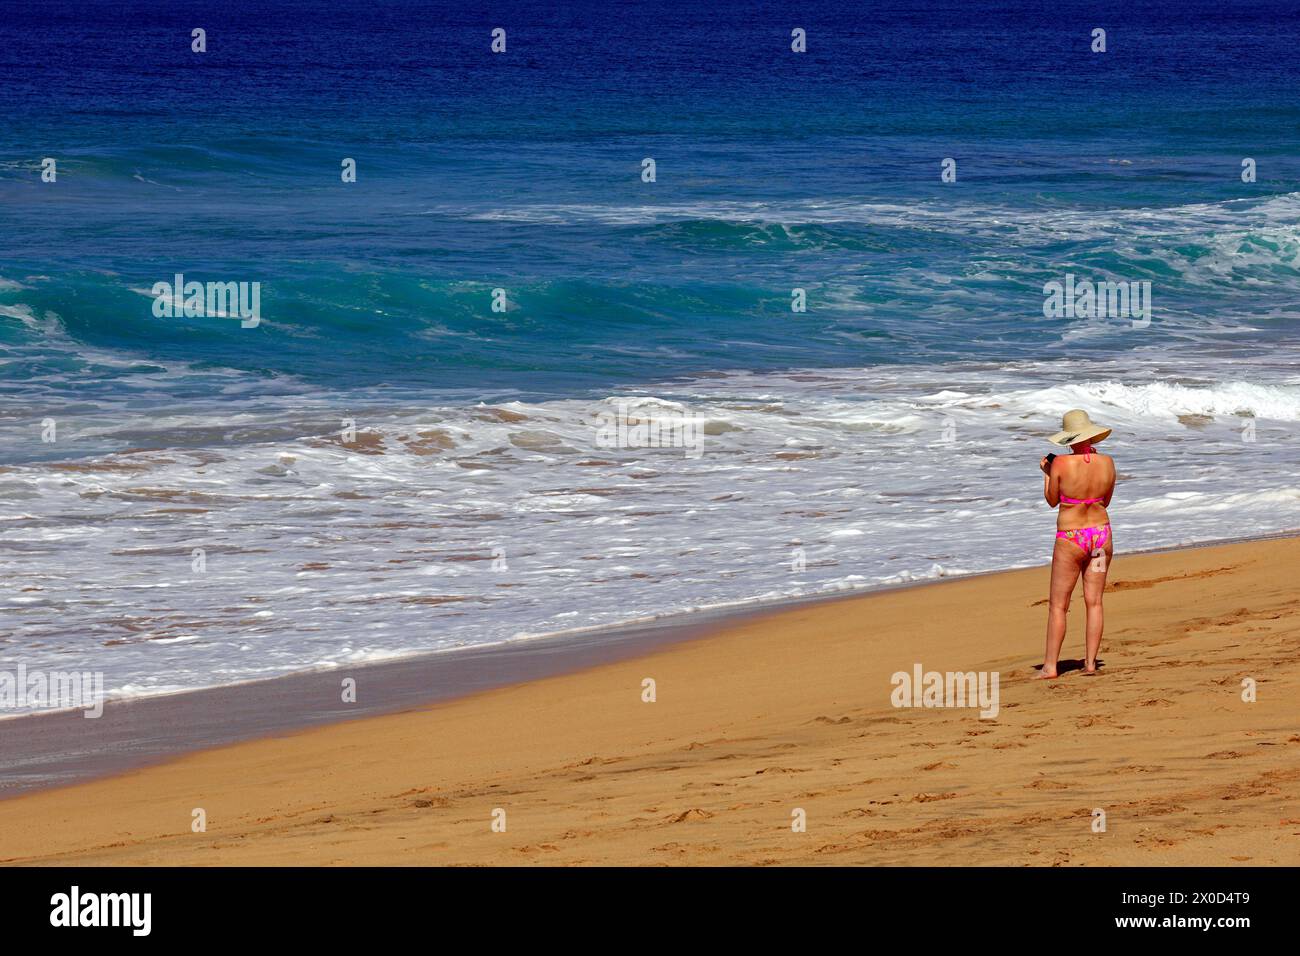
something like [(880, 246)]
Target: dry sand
[(789, 710)]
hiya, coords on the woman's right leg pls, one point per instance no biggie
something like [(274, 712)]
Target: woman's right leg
[(1067, 561)]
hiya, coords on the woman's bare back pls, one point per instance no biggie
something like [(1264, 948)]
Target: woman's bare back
[(1077, 477)]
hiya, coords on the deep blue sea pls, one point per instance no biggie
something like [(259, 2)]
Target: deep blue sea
[(178, 507)]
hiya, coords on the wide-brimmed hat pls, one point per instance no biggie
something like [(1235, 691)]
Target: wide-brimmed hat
[(1076, 426)]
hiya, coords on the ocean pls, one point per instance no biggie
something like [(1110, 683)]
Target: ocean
[(385, 465)]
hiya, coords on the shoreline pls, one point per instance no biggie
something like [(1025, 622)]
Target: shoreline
[(711, 614), (781, 710), (50, 749)]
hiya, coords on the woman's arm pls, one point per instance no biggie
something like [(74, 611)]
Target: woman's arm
[(1105, 503), (1051, 482)]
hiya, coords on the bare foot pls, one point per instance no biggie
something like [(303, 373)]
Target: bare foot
[(1046, 674), (1089, 671)]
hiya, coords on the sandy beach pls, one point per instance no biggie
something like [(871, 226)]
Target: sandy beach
[(790, 711)]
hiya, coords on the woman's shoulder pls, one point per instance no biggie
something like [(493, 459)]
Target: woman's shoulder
[(1078, 461)]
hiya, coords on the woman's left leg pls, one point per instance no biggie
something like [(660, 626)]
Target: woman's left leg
[(1094, 585)]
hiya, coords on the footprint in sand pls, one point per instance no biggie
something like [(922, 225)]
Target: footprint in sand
[(1100, 720), (695, 813)]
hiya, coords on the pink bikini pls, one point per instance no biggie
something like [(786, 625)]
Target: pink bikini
[(1088, 539)]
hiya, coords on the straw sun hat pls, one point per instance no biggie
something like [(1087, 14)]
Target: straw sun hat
[(1076, 426)]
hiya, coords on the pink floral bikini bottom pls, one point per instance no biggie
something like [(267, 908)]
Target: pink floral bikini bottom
[(1088, 539)]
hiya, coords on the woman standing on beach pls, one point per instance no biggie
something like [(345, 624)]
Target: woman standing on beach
[(1084, 543)]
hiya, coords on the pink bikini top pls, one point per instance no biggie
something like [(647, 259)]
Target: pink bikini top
[(1087, 457)]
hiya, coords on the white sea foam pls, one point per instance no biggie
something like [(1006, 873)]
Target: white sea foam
[(469, 524), (1276, 216)]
